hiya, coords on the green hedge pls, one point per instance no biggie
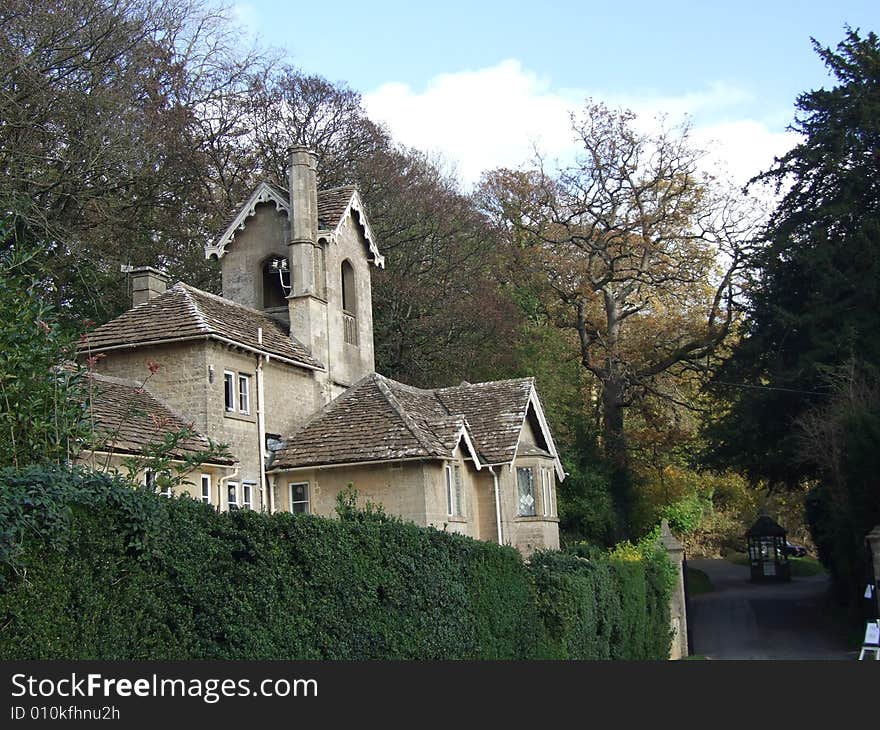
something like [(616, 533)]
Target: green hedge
[(94, 568)]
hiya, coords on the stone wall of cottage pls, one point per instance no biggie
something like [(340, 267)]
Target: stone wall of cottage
[(114, 464), (289, 397), (181, 380), (398, 486)]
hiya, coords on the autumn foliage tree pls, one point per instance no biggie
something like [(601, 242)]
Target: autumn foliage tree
[(636, 251)]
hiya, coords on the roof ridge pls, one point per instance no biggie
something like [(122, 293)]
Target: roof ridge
[(408, 421), (527, 379), (338, 187), (223, 300), (194, 307), (113, 379)]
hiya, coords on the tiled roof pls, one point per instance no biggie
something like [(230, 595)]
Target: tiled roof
[(128, 418), (332, 203), (379, 419), (186, 312), (495, 412)]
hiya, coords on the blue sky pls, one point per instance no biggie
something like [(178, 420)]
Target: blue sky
[(480, 83)]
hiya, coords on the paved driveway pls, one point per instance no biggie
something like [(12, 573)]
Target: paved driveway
[(745, 620)]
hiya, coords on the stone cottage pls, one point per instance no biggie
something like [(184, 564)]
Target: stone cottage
[(281, 369)]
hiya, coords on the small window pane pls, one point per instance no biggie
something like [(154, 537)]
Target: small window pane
[(526, 492), (247, 490), (244, 393), (206, 488), (232, 495), (449, 506), (299, 498), (229, 391), (459, 496)]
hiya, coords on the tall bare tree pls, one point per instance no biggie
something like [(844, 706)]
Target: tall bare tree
[(105, 121), (635, 250)]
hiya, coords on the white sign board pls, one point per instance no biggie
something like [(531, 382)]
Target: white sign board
[(872, 634)]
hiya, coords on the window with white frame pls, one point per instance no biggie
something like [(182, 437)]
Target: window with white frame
[(299, 497), (232, 495), (237, 392), (229, 391), (454, 492), (244, 394), (206, 489), (547, 491), (525, 488), (150, 479), (247, 492)]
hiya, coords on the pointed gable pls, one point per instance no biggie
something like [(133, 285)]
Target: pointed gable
[(334, 206)]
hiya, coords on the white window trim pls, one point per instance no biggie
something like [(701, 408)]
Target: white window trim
[(206, 479), (229, 377), (308, 500), (454, 491), (234, 487), (545, 492), (247, 494), (531, 472), (244, 396)]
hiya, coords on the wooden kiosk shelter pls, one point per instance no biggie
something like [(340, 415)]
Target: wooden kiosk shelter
[(767, 556)]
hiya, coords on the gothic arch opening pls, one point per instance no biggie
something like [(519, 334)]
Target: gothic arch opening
[(276, 281), (349, 290)]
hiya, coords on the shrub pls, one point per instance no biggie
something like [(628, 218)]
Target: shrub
[(97, 568)]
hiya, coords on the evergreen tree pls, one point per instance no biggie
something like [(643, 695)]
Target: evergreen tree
[(816, 290)]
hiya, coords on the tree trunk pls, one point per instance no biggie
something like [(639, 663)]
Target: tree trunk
[(616, 452)]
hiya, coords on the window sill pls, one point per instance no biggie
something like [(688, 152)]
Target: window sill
[(247, 417), (535, 518), (457, 519)]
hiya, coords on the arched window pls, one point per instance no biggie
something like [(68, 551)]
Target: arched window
[(276, 282), (349, 292), (349, 305)]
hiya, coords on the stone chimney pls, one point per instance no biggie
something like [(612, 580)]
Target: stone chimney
[(302, 174), (146, 283), (308, 311)]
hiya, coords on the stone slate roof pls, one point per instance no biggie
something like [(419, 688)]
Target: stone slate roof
[(332, 203), (495, 412), (128, 418), (186, 312), (379, 419)]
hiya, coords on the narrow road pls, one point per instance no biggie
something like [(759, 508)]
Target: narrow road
[(744, 620)]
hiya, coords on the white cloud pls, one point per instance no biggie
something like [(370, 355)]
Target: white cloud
[(493, 117)]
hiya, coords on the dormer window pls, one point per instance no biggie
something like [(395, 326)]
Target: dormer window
[(276, 282)]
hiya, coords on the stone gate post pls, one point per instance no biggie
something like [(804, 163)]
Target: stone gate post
[(677, 606)]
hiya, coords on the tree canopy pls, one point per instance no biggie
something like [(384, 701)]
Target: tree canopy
[(815, 291), (633, 249)]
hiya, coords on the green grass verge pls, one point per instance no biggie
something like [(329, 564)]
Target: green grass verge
[(698, 582)]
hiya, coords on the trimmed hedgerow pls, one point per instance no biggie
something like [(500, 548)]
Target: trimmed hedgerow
[(92, 567)]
